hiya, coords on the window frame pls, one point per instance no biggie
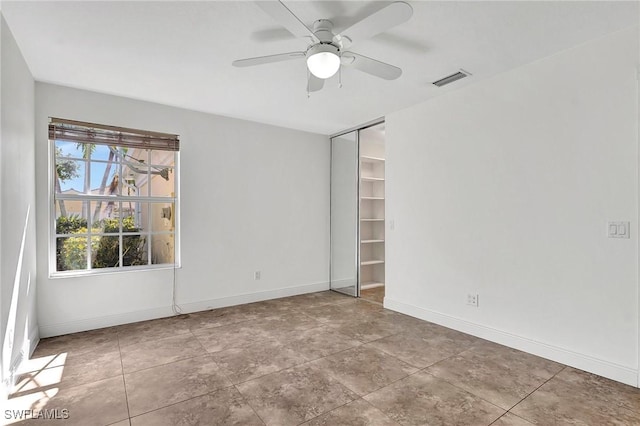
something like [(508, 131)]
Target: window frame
[(53, 198)]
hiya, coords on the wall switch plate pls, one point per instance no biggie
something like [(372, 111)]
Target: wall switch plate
[(256, 275), (618, 229), (472, 300), (392, 225)]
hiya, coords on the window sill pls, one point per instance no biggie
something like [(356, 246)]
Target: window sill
[(110, 271)]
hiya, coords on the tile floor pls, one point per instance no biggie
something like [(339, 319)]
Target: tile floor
[(317, 359), (375, 294)]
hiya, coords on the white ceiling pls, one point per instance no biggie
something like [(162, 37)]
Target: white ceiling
[(180, 53)]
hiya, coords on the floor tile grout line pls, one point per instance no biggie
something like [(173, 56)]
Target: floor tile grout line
[(465, 390), (184, 400), (224, 373), (328, 411), (243, 321), (154, 338), (283, 343), (378, 409), (225, 325), (168, 363), (510, 413), (300, 365), (391, 355), (564, 367), (406, 362), (484, 399), (377, 389), (272, 372), (124, 380), (297, 366), (447, 358), (387, 385), (246, 399), (333, 409), (632, 410), (57, 385), (339, 352), (501, 416), (277, 339), (66, 387)]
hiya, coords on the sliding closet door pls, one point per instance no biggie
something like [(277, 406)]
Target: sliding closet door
[(344, 214)]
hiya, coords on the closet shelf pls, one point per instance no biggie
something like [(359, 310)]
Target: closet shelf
[(371, 284), (368, 159), (372, 198), (371, 179), (371, 241), (371, 262), (371, 220)]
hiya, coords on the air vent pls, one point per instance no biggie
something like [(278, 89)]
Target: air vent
[(451, 78)]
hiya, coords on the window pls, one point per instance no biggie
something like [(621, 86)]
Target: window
[(114, 198)]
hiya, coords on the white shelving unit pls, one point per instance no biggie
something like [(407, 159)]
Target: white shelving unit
[(372, 184)]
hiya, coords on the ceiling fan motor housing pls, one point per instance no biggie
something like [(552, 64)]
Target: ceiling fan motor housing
[(323, 29), (323, 47)]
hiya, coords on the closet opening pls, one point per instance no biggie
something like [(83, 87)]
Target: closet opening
[(358, 212), (372, 209)]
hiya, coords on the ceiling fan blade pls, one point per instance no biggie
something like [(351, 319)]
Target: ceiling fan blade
[(371, 66), (380, 21), (281, 13), (315, 83), (267, 59)]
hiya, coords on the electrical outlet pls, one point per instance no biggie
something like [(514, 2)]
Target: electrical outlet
[(256, 275), (472, 300), (618, 229)]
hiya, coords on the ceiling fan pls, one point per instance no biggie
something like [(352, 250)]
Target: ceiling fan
[(327, 53)]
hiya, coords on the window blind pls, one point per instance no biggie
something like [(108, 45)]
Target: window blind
[(78, 131)]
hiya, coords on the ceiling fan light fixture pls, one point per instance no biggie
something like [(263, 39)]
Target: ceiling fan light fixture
[(323, 60)]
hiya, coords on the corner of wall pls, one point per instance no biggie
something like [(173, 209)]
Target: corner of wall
[(17, 209)]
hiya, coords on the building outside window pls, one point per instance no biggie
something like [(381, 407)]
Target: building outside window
[(114, 202)]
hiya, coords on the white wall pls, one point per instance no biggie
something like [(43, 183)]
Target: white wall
[(253, 197), (504, 189), (19, 331)]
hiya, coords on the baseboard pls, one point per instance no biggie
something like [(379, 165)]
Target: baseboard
[(344, 285), (584, 362), (370, 286), (16, 364), (241, 299), (50, 330), (14, 367), (34, 339)]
